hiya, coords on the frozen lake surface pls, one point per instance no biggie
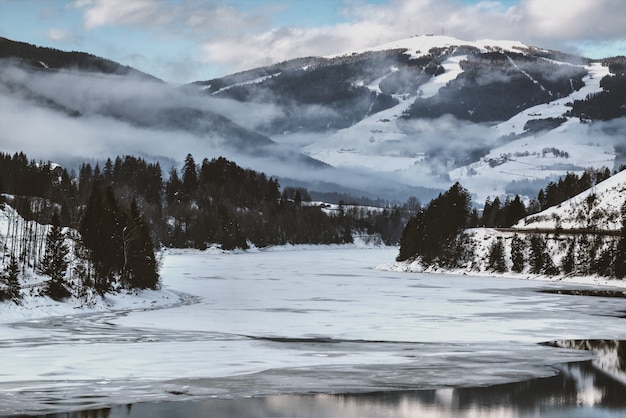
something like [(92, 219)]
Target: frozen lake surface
[(261, 324)]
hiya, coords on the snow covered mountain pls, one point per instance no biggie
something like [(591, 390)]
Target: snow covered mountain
[(401, 119), (429, 110)]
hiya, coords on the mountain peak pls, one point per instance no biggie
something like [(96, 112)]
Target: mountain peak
[(420, 45)]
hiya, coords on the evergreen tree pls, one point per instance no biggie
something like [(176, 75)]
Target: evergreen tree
[(518, 258), (411, 237), (190, 178), (140, 265), (537, 249), (173, 188), (101, 231), (491, 212), (54, 263), (620, 251), (604, 265), (514, 211), (496, 256), (11, 283), (568, 262), (540, 260)]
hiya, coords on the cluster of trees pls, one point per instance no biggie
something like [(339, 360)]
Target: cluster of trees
[(432, 233), (115, 248), (117, 243), (496, 214), (553, 254), (569, 186), (221, 202)]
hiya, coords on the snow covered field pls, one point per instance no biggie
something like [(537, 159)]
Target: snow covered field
[(292, 320)]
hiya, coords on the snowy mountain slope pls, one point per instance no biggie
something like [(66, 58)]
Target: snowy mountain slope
[(538, 158), (546, 154), (421, 45), (584, 229), (512, 151), (378, 142), (558, 107), (597, 208)]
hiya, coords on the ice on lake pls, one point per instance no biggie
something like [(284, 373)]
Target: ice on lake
[(308, 320)]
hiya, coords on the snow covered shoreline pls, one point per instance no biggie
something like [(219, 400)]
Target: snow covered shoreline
[(416, 267), (35, 307)]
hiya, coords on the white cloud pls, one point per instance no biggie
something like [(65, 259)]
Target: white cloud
[(555, 24), (62, 36), (195, 17), (236, 38)]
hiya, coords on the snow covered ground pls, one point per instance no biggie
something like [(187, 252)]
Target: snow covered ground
[(597, 208), (311, 319)]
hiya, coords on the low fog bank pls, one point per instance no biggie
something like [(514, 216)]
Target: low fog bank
[(103, 116), (70, 117)]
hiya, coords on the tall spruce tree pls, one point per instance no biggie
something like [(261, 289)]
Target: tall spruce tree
[(620, 252), (190, 178), (54, 262), (568, 262), (140, 265), (496, 256), (10, 280), (518, 258), (101, 229)]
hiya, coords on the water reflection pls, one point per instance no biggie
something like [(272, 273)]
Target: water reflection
[(610, 355), (584, 389)]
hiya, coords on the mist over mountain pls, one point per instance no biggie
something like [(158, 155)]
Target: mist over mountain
[(406, 118)]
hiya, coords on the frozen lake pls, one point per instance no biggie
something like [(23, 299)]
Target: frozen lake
[(261, 324)]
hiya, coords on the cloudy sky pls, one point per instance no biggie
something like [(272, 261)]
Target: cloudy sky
[(187, 40)]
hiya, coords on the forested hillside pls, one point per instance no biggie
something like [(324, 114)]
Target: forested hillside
[(581, 230)]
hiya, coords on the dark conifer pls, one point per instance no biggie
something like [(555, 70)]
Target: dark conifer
[(620, 251), (54, 263), (11, 288), (496, 256), (518, 257), (140, 265), (190, 178)]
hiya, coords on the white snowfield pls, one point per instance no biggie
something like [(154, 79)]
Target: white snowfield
[(419, 46), (382, 143), (290, 320)]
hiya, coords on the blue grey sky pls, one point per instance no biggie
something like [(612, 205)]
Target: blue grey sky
[(187, 40)]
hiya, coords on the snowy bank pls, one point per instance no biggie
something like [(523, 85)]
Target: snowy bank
[(481, 240), (34, 307)]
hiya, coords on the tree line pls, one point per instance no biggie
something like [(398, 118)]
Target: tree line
[(123, 210)]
